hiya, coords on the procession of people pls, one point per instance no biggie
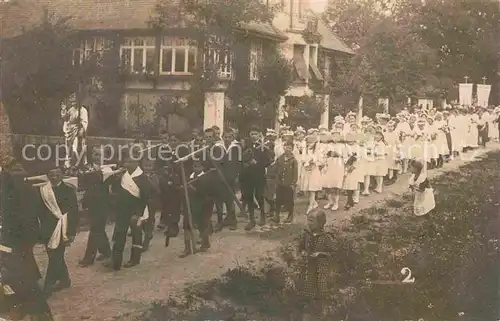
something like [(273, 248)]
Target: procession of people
[(271, 169)]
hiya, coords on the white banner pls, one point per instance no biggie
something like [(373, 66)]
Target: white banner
[(483, 95), (465, 94)]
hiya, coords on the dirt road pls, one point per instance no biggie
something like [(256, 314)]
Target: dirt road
[(98, 294)]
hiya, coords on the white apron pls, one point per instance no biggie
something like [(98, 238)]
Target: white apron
[(423, 201)]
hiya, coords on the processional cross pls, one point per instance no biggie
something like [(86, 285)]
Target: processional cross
[(484, 80), (466, 78)]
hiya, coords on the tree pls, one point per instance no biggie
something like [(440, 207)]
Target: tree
[(391, 62), (464, 35), (257, 100), (37, 73), (411, 47)]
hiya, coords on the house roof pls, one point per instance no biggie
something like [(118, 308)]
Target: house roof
[(96, 15), (330, 41)]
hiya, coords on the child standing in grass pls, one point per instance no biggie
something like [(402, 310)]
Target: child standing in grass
[(423, 194), (315, 249)]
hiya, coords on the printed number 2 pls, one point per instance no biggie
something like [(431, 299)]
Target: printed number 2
[(408, 279)]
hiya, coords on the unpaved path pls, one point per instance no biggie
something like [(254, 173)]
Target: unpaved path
[(98, 294)]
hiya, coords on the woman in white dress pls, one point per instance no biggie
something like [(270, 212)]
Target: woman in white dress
[(298, 149), (367, 159), (355, 147), (334, 169), (473, 137), (394, 149), (495, 134), (312, 162), (432, 146), (419, 149), (351, 170), (423, 194), (380, 164), (324, 140), (441, 140), (405, 137)]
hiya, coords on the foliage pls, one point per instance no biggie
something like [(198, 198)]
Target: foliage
[(411, 48), (443, 252), (38, 73), (255, 100), (304, 111), (391, 62), (311, 35), (464, 35)]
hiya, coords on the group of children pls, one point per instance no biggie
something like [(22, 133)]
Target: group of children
[(358, 157)]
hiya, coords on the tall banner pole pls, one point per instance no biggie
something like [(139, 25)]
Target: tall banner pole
[(360, 111), (189, 231)]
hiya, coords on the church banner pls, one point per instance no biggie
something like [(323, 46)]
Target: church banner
[(465, 94), (483, 95)]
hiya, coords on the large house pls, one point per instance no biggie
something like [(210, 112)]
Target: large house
[(160, 63)]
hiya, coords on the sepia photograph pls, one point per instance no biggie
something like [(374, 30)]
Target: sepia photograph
[(250, 160)]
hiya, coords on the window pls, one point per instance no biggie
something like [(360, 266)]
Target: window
[(177, 56), (300, 9), (138, 54), (313, 65), (255, 59), (88, 47), (225, 64), (221, 58), (300, 63), (324, 64)]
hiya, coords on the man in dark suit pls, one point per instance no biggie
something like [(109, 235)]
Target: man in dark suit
[(20, 228), (20, 231), (227, 155), (58, 216), (256, 158), (96, 201), (170, 185), (133, 195)]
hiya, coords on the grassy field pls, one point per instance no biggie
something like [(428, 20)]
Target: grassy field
[(452, 254)]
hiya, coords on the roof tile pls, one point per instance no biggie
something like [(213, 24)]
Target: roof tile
[(95, 15), (330, 41)]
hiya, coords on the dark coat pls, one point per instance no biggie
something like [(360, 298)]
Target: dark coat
[(20, 228), (128, 205), (262, 154), (287, 171), (66, 199)]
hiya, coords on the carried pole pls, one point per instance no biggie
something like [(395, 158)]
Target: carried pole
[(223, 178), (189, 231)]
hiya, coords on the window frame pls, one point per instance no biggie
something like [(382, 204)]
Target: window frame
[(255, 57), (225, 69), (132, 47), (89, 46), (186, 47)]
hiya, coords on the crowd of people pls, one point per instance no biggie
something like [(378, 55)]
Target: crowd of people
[(271, 169)]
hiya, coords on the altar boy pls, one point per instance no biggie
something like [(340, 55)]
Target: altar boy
[(58, 217), (133, 195)]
